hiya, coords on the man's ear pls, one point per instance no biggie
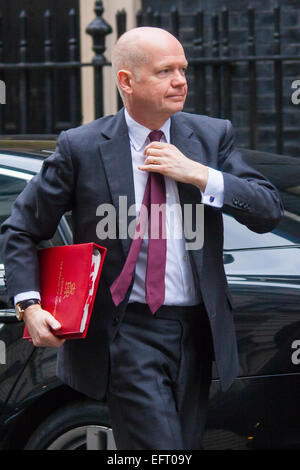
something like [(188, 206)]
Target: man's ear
[(125, 81)]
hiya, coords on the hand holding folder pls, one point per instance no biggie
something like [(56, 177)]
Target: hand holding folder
[(69, 277)]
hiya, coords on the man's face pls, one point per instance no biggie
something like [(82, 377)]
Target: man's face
[(159, 87)]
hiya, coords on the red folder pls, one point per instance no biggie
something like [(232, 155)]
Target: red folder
[(69, 278)]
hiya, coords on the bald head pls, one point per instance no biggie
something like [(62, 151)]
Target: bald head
[(133, 48), (150, 65)]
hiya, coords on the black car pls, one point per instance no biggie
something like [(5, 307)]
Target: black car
[(259, 411)]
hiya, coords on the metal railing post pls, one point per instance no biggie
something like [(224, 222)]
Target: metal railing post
[(74, 72), (48, 55), (121, 21), (199, 69), (23, 78), (99, 29), (1, 76), (278, 80), (252, 113)]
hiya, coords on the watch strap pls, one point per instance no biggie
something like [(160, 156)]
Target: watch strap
[(21, 306), (26, 303)]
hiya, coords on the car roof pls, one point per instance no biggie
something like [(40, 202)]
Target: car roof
[(33, 146), (26, 153)]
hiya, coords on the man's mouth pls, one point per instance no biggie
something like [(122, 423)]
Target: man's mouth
[(175, 96)]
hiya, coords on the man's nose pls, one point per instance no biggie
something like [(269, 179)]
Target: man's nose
[(178, 79)]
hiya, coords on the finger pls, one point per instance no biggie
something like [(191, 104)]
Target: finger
[(48, 340), (53, 323), (155, 152), (151, 167), (153, 161), (57, 342), (157, 145)]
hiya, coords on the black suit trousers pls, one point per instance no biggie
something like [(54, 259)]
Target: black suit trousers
[(160, 377)]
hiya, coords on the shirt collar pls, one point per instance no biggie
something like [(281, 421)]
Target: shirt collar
[(138, 133)]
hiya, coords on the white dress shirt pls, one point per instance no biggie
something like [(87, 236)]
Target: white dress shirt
[(180, 288)]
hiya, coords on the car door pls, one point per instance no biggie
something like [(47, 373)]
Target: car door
[(14, 351), (263, 273), (260, 410)]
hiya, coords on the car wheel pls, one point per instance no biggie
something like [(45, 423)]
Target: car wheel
[(77, 426)]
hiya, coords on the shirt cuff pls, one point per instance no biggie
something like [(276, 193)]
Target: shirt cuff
[(26, 296), (214, 191)]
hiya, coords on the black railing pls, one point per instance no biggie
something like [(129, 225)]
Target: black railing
[(222, 67), (98, 29), (211, 62)]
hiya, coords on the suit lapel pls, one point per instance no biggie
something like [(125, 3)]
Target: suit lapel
[(182, 136), (116, 155)]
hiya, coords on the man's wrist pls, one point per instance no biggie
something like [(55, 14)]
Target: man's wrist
[(30, 310), (24, 305), (199, 177)]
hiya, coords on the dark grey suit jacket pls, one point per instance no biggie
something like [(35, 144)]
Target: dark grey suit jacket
[(91, 166)]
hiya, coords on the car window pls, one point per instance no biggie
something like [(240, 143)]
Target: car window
[(238, 236), (284, 174), (68, 217), (11, 184), (10, 188)]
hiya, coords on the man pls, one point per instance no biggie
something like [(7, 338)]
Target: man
[(163, 312)]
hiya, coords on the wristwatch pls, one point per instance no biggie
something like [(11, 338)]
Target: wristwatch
[(21, 306)]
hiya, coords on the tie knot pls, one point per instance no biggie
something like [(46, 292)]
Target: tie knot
[(155, 136)]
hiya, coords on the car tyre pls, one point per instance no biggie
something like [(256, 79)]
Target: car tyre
[(81, 425)]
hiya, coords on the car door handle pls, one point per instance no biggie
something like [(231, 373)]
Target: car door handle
[(227, 258)]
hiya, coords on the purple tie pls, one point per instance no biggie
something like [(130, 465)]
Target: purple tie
[(155, 193)]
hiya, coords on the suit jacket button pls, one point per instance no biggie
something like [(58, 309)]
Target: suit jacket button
[(115, 321)]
